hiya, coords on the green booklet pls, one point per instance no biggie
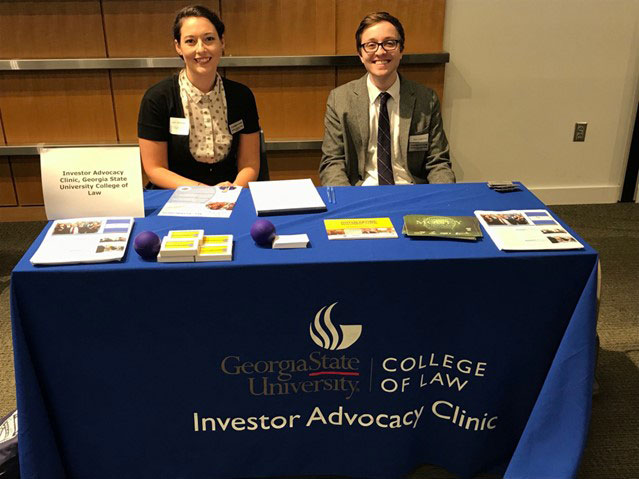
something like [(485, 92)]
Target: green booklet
[(457, 227)]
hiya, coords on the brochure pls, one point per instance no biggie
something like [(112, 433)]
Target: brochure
[(84, 240), (452, 227), (526, 230), (360, 228), (202, 201), (285, 196)]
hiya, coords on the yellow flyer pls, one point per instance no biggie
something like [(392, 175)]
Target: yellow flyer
[(360, 228)]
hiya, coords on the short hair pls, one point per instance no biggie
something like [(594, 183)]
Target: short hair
[(374, 18), (196, 11)]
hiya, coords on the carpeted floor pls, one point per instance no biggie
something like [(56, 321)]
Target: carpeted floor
[(612, 451)]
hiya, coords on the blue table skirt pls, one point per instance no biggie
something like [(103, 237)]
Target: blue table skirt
[(450, 352)]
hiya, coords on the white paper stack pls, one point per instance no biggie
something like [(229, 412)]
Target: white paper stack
[(285, 196)]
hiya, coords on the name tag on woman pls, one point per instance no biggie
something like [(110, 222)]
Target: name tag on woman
[(179, 126), (418, 142), (237, 126)]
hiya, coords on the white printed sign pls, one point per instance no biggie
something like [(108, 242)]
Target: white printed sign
[(93, 181)]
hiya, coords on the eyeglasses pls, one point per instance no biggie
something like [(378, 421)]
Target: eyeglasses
[(387, 45)]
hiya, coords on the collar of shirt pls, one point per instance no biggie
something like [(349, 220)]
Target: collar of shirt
[(194, 93), (373, 91)]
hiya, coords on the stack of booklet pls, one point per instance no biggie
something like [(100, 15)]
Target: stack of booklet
[(84, 240), (187, 246), (285, 196), (451, 227)]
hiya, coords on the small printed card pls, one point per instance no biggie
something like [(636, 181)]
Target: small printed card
[(185, 234), (215, 248), (179, 247), (360, 228), (503, 187)]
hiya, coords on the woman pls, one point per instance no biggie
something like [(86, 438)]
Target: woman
[(196, 128)]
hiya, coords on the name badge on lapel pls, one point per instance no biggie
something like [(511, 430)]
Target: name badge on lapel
[(418, 142), (179, 126), (237, 126)]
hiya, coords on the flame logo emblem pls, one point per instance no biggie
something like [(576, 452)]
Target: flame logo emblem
[(327, 336)]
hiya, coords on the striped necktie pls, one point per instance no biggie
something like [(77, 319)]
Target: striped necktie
[(384, 165)]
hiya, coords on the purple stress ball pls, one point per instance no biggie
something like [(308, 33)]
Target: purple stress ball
[(263, 232), (147, 244)]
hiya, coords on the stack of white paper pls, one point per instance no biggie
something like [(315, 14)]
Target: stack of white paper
[(285, 196)]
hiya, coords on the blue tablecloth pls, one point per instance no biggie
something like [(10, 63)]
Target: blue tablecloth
[(445, 352)]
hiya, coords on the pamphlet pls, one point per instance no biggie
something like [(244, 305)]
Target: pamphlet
[(526, 230), (360, 228), (285, 196), (84, 240), (452, 227), (202, 201)]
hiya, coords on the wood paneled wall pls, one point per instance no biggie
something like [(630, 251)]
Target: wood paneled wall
[(102, 106)]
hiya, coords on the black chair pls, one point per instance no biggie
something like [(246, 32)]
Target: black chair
[(263, 175)]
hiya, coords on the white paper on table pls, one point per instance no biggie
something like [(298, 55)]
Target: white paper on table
[(202, 201), (285, 196)]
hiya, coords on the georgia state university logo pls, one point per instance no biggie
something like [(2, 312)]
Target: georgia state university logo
[(327, 336)]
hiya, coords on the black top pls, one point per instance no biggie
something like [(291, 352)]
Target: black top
[(162, 101)]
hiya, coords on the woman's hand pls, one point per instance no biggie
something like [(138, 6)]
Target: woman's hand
[(156, 165)]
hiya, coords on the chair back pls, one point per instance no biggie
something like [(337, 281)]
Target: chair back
[(263, 175)]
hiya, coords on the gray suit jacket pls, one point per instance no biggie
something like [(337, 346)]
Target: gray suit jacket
[(346, 134)]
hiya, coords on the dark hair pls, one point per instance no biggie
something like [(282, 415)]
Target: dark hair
[(377, 17), (196, 11)]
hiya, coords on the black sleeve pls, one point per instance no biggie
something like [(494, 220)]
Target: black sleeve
[(251, 121), (241, 106), (153, 118)]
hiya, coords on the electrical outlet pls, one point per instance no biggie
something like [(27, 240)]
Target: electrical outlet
[(580, 131)]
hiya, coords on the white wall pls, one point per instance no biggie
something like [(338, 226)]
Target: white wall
[(522, 72)]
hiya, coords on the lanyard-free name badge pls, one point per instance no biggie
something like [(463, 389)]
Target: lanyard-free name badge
[(237, 126), (179, 126), (418, 142)]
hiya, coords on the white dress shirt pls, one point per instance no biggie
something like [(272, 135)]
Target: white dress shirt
[(400, 168)]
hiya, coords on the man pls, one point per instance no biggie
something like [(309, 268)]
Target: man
[(383, 129)]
